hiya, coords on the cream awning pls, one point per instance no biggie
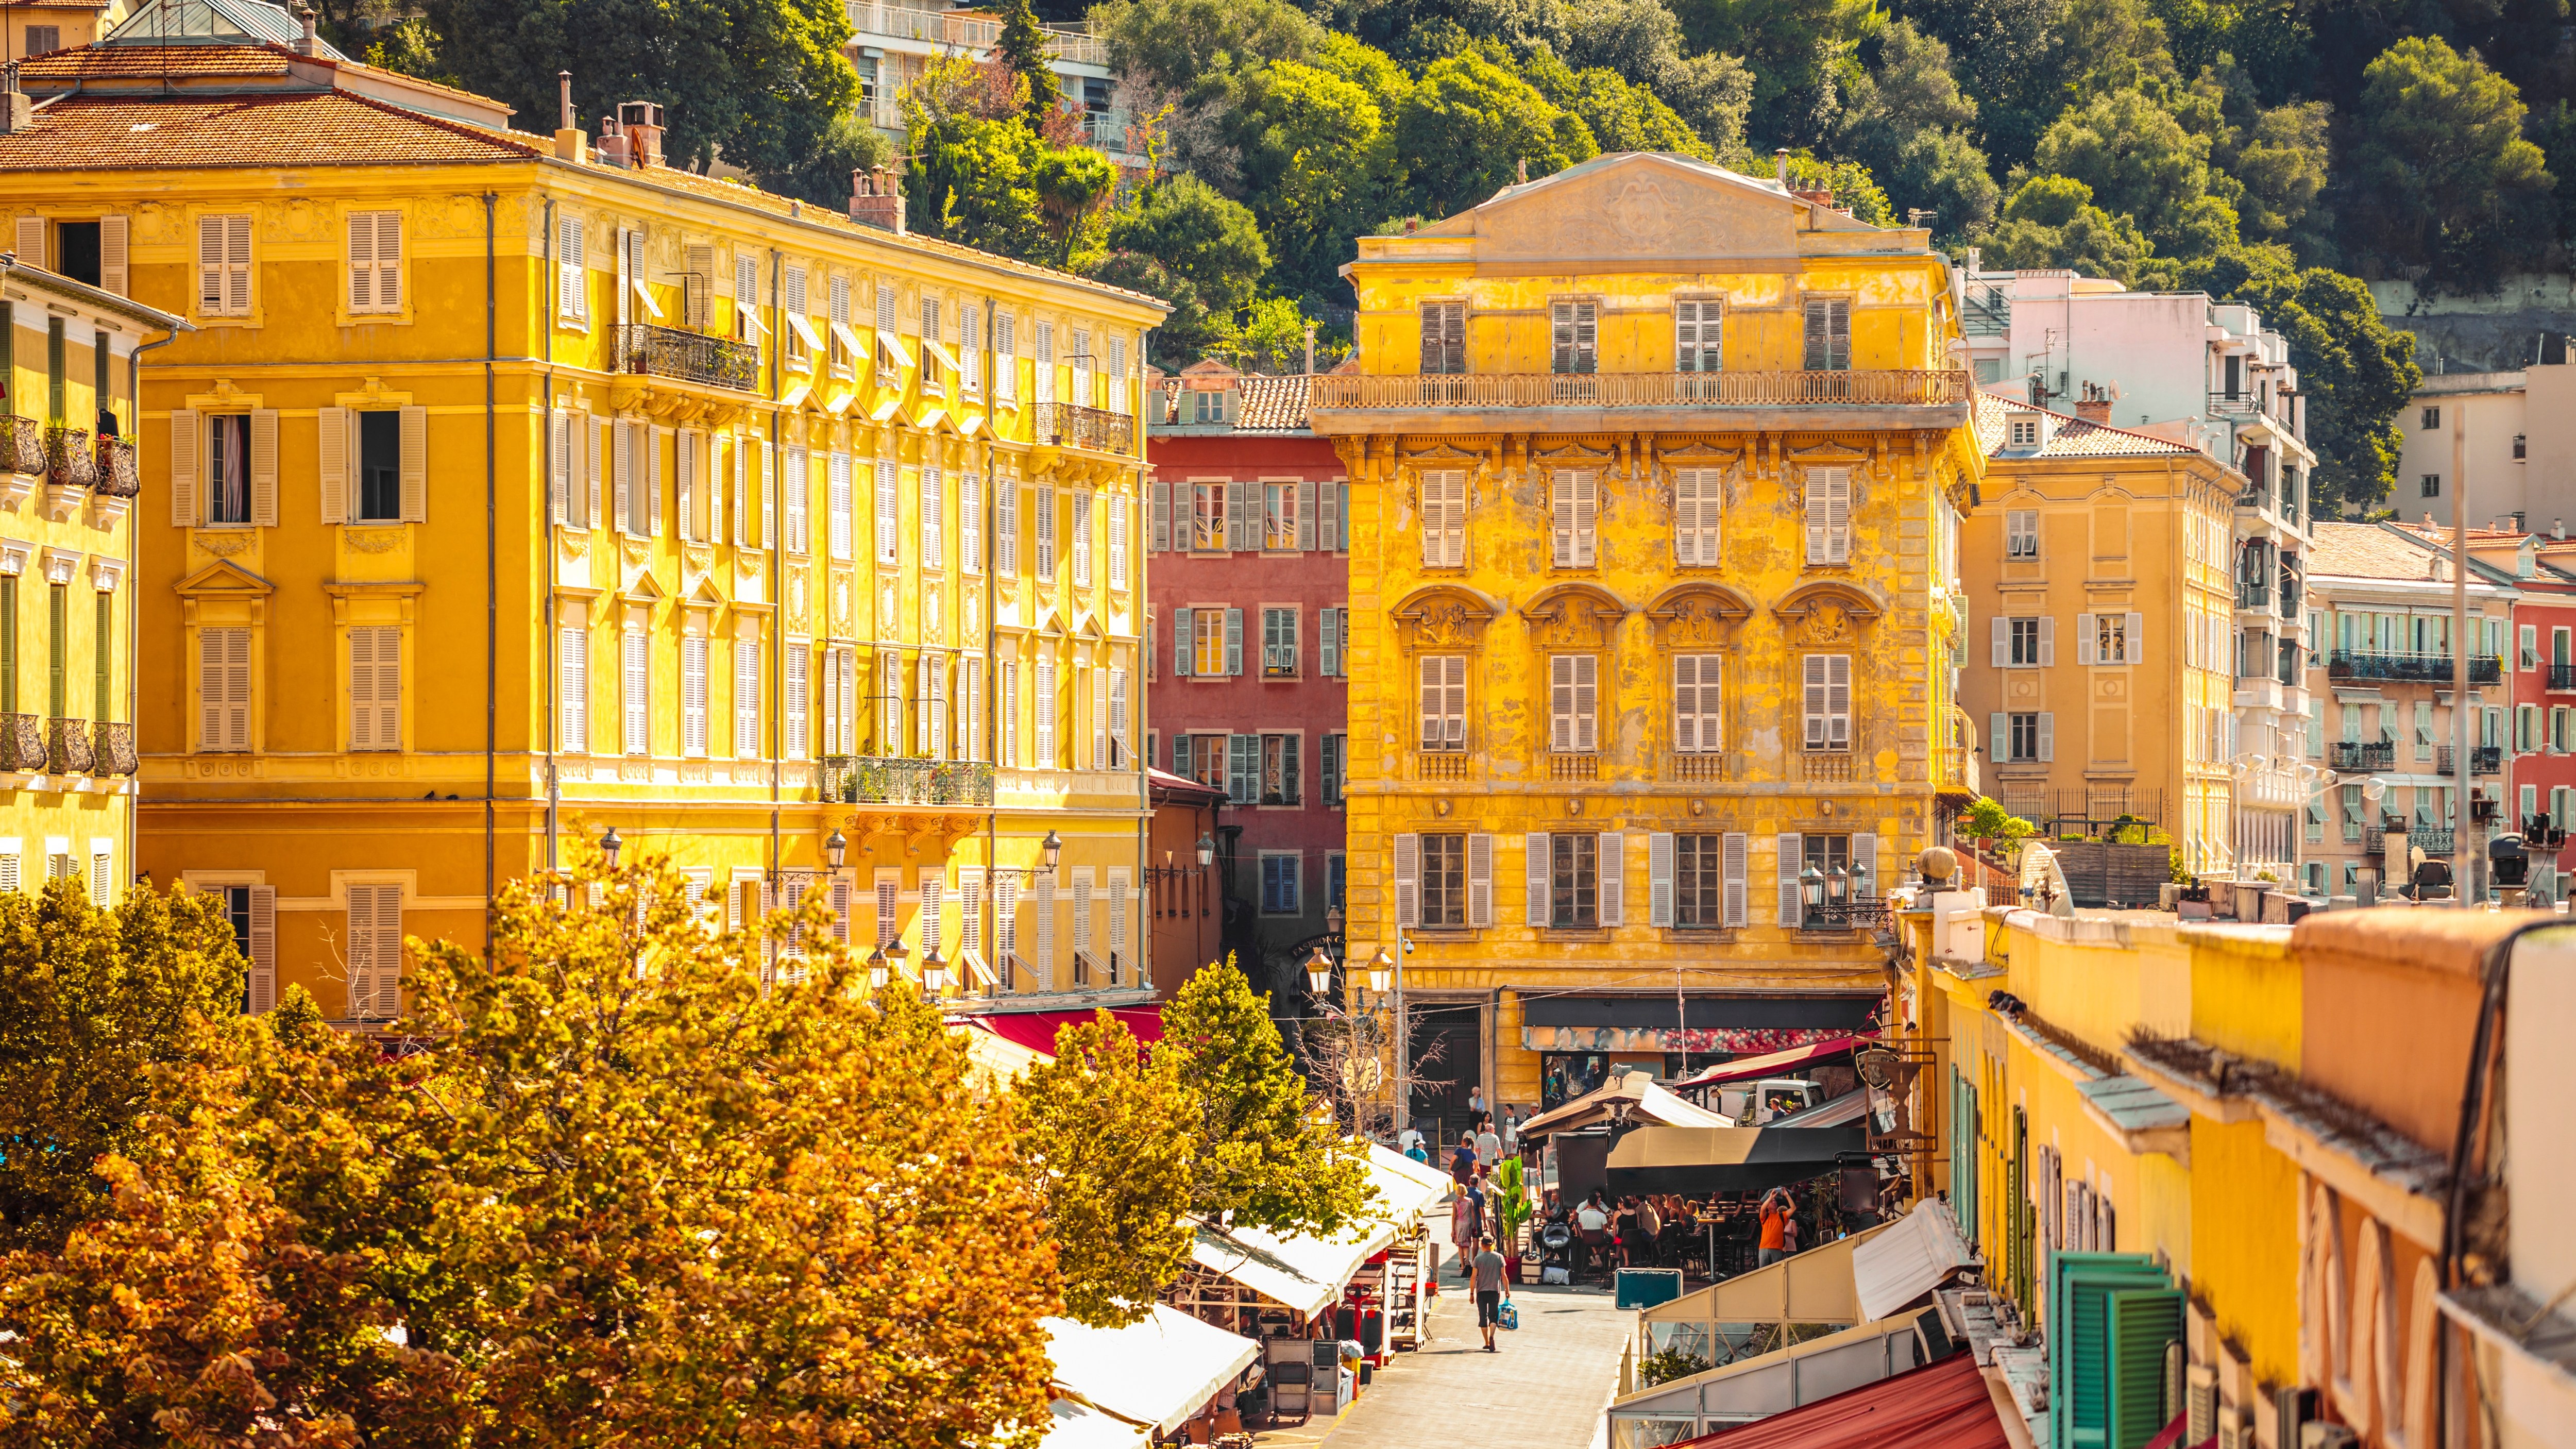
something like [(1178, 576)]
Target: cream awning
[(1159, 1371)]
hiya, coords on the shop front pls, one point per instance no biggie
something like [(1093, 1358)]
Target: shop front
[(1579, 1042)]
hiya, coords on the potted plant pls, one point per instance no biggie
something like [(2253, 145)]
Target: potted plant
[(1515, 1212)]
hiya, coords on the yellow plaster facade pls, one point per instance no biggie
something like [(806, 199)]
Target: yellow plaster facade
[(1657, 474), (503, 500)]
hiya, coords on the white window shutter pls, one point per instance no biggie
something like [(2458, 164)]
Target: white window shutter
[(2047, 735), (1535, 868), (2084, 640), (921, 713), (686, 470), (2132, 638), (2047, 639), (1587, 507), (1480, 880), (1328, 526), (1659, 879), (652, 438), (1999, 736), (1182, 642), (1408, 880), (599, 449), (1162, 535), (1735, 893), (1793, 857), (263, 467), (187, 450), (1613, 877), (2001, 631), (1561, 518), (415, 464), (263, 948), (335, 426), (1838, 515), (1816, 529)]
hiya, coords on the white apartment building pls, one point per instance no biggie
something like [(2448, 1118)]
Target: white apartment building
[(2507, 438), (893, 42), (2183, 366)]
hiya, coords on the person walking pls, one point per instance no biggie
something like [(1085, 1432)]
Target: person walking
[(1776, 1217), (1489, 1144), (1512, 1131), (1492, 1290), (1462, 1164), (1466, 1223)]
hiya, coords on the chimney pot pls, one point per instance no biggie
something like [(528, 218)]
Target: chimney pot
[(305, 43), (1781, 157), (876, 199), (2094, 410), (563, 91), (642, 123)]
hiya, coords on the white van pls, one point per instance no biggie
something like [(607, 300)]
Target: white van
[(1756, 1103)]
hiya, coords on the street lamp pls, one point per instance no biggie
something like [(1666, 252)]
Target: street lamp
[(835, 847), (1333, 919), (1051, 849), (1860, 880), (609, 845), (934, 972), (1381, 971), (1207, 850), (1319, 972), (1838, 886), (877, 970), (1811, 887)]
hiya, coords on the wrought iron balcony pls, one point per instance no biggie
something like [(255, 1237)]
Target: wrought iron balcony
[(22, 445), (688, 356), (1894, 387), (22, 743), (117, 474), (2363, 754), (2562, 676), (1066, 425), (1860, 913), (2432, 842), (870, 780), (2253, 595), (69, 460), (67, 747), (114, 744), (2416, 668), (2483, 760)]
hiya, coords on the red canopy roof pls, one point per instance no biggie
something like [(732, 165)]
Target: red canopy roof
[(1745, 1069), (1036, 1029), (1943, 1405)]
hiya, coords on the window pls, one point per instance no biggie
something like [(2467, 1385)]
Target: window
[(798, 698), (1335, 752), (223, 266), (44, 39), (1208, 641), (1444, 519), (1444, 337), (1573, 704), (1696, 704), (1699, 494), (375, 261), (1444, 880), (2431, 484), (2430, 418), (1047, 707), (1200, 758), (1081, 545), (380, 460), (693, 696), (1279, 643), (1828, 701), (1696, 335), (1333, 642), (1279, 531), (573, 713), (2024, 642), (1006, 356), (58, 640), (1444, 702), (1574, 508), (746, 296), (375, 937), (1279, 770), (1280, 882), (1117, 514), (2111, 640), (1045, 534), (1573, 329), (228, 470), (1207, 517), (1333, 878), (844, 523), (792, 310), (1574, 881), (223, 672), (934, 517), (1243, 769), (1828, 516), (2520, 450), (1828, 334), (1699, 881), (636, 703), (2023, 738), (375, 689)]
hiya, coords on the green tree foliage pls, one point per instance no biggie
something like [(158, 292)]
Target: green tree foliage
[(2136, 159), (91, 1003), (980, 175), (847, 146), (1179, 240), (1617, 114), (1106, 1138), (2455, 192), (758, 80), (1469, 123), (1798, 51), (1023, 48), (2052, 222), (2356, 373), (1987, 820), (1190, 47), (1268, 1154), (1911, 126), (1317, 160), (1851, 184), (1272, 339)]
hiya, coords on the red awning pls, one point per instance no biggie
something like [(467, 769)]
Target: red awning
[(1746, 1069), (1036, 1030), (1943, 1405)]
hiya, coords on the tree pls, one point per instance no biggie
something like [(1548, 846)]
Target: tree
[(1023, 48), (1183, 46), (1272, 339), (1617, 115), (1318, 162), (1073, 184), (2449, 189), (1106, 1138), (1197, 250), (1469, 123), (1266, 1155), (2356, 373), (757, 80), (91, 1002), (2135, 158), (1851, 184), (847, 146), (1797, 50), (1909, 124), (2052, 222)]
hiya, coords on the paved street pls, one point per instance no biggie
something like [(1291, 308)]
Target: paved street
[(1544, 1390)]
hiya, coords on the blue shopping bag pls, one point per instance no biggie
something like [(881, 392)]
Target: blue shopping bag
[(1509, 1317)]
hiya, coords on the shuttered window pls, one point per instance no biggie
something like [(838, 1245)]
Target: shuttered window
[(1006, 526), (693, 695), (1082, 500), (1828, 334), (574, 709), (1829, 516), (1444, 702), (1117, 521), (633, 694), (572, 273), (1048, 707), (1698, 498), (375, 947), (1574, 509), (746, 698), (1828, 701), (934, 519), (223, 689), (375, 261), (796, 488), (1044, 534), (1573, 703), (375, 689), (223, 266), (1697, 702), (1444, 337), (1573, 327), (1006, 358), (1696, 335), (1444, 519)]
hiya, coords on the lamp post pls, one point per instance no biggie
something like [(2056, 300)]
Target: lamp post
[(1811, 890), (609, 845), (934, 974), (835, 846), (877, 970), (1051, 849), (1319, 975)]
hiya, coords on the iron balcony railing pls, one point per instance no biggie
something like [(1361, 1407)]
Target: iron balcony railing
[(1105, 129), (114, 744), (2431, 842), (2363, 754), (117, 475), (22, 743), (22, 445), (1910, 387), (2251, 595), (70, 462), (2234, 405), (2483, 760), (2089, 809), (2418, 668), (1860, 913), (1067, 425), (2562, 676), (688, 356), (870, 780), (68, 748)]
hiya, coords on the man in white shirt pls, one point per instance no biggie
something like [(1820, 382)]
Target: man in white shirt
[(1489, 1147), (1404, 1140)]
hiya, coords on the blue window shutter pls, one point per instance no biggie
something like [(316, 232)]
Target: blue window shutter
[(1181, 757), (2142, 1322), (1329, 637), (1183, 639), (1234, 641)]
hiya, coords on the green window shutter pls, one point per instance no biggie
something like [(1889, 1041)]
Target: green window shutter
[(2142, 1322), (2078, 1328)]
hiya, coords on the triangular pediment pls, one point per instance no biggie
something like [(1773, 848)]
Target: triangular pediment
[(224, 577), (1639, 204)]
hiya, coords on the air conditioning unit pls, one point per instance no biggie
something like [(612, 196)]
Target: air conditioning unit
[(2235, 1429), (2200, 1401)]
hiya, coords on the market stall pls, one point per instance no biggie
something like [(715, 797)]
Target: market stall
[(1726, 1159), (1158, 1372)]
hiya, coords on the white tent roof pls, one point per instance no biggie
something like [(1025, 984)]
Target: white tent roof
[(1300, 1273), (1645, 1101), (1839, 1111), (1405, 1187), (1910, 1259), (1073, 1424), (1159, 1371)]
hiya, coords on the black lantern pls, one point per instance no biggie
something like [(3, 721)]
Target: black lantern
[(877, 971), (609, 845), (1051, 849), (834, 848)]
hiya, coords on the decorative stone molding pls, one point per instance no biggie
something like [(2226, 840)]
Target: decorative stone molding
[(1444, 617), (14, 553), (372, 540), (1574, 616), (59, 566), (1699, 613)]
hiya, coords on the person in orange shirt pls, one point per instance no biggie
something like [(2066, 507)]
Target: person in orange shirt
[(1775, 1227)]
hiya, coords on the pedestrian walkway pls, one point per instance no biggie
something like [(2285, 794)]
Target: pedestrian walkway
[(1544, 1389)]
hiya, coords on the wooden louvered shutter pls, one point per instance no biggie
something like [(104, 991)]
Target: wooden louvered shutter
[(1587, 508), (1612, 881), (1793, 858), (1306, 515), (1659, 879), (336, 424), (187, 451), (1536, 864), (1560, 511), (1183, 641), (1408, 880), (1234, 641), (263, 467), (263, 948), (415, 465), (31, 241), (1162, 535), (1480, 880), (1735, 908)]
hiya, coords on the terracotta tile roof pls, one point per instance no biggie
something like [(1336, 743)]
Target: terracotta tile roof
[(2070, 437), (98, 62), (2441, 533), (313, 128), (2367, 551), (1265, 404)]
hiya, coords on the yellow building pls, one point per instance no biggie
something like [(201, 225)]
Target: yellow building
[(69, 356), (521, 490), (1656, 472), (2100, 563)]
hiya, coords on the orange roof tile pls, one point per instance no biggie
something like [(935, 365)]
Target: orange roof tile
[(141, 62), (2071, 437), (315, 128)]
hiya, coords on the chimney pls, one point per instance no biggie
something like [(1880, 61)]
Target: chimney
[(2094, 410), (17, 112), (306, 44), (642, 123), (1782, 157), (570, 144), (2558, 529), (876, 199), (1310, 349), (1521, 172), (614, 148)]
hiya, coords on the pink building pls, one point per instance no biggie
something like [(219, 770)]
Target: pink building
[(1246, 630)]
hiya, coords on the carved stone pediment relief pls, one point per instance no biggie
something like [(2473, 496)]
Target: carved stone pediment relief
[(1639, 208), (1574, 616), (1443, 619), (1699, 614)]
